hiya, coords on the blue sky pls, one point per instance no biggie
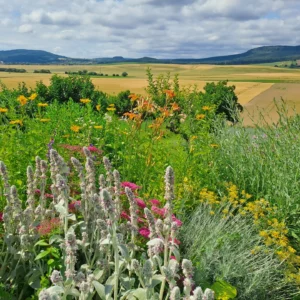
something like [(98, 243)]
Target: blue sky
[(157, 28)]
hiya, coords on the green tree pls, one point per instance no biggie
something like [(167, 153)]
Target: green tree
[(224, 98), (124, 74)]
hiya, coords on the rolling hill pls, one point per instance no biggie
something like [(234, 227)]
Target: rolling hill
[(265, 54)]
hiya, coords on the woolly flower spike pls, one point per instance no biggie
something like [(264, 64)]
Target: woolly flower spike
[(169, 184), (133, 209), (116, 175), (4, 175), (87, 152), (76, 163), (102, 183), (151, 222), (209, 295), (187, 268), (135, 265), (107, 203), (56, 277), (109, 175), (175, 293), (198, 294), (45, 295)]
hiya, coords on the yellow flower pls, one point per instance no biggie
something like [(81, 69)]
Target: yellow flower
[(44, 120), (214, 145), (13, 122), (3, 110), (75, 128), (22, 99), (111, 108), (98, 126), (211, 213), (200, 117), (42, 104), (111, 105), (193, 137), (85, 101), (32, 96), (206, 107), (98, 107)]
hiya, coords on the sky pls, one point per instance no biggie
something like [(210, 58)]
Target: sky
[(155, 28)]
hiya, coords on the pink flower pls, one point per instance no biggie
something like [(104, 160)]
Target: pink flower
[(175, 241), (93, 148), (48, 195), (159, 211), (178, 222), (173, 257), (124, 215), (130, 185), (145, 232), (140, 203), (47, 226), (1, 216), (74, 206), (37, 191), (155, 202)]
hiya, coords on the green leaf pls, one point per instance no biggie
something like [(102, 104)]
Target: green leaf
[(50, 261), (56, 289), (41, 243), (140, 294), (98, 273), (223, 290), (42, 254), (124, 252), (100, 289), (55, 238)]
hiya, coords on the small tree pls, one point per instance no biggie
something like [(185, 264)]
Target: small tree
[(124, 74)]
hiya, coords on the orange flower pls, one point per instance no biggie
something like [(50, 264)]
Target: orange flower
[(130, 115), (75, 128), (165, 112), (175, 106), (169, 93), (200, 117), (133, 97), (22, 99)]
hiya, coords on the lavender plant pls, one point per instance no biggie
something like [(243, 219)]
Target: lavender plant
[(101, 252)]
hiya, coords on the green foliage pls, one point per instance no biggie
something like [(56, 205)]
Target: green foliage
[(124, 74), (223, 98), (221, 248)]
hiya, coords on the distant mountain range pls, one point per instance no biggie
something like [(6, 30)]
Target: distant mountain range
[(264, 54)]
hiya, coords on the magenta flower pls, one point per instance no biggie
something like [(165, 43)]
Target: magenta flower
[(130, 185), (177, 221), (124, 215), (140, 203), (173, 257), (145, 232), (1, 216), (154, 202), (93, 148), (175, 241), (37, 191), (159, 211), (48, 195)]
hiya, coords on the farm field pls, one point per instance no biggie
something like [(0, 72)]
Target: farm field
[(250, 80)]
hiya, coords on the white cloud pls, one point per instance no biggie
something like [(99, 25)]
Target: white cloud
[(25, 28), (158, 28)]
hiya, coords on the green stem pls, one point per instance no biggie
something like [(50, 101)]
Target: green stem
[(116, 250), (162, 288)]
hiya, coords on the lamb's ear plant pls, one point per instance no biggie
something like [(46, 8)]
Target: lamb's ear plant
[(102, 255)]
